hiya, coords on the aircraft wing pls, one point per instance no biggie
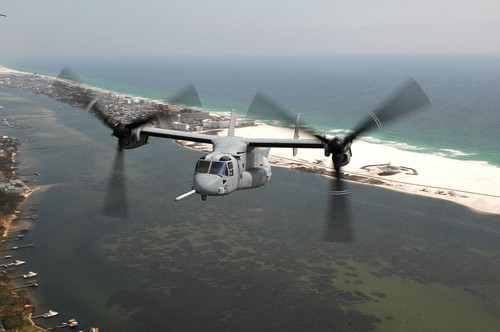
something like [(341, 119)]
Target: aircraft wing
[(176, 134), (255, 142), (285, 143)]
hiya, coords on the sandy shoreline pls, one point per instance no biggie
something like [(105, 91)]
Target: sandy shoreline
[(468, 183), (5, 70), (472, 184), (6, 222)]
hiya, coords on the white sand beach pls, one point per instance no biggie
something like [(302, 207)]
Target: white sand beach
[(5, 70), (469, 183)]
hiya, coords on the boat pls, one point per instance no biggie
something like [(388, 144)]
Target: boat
[(50, 313), (30, 274), (18, 262), (94, 329), (72, 322)]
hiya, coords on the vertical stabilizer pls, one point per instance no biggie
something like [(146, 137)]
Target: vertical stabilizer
[(296, 133), (232, 124)]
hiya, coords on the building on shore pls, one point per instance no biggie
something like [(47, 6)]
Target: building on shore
[(12, 186)]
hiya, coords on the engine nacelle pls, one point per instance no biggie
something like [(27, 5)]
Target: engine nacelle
[(131, 143), (253, 178), (342, 159), (340, 151)]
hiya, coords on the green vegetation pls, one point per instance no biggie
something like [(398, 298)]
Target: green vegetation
[(8, 147), (14, 309), (9, 203)]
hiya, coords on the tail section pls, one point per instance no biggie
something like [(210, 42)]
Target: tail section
[(296, 133)]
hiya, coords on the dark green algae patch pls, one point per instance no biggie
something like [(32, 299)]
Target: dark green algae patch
[(213, 271)]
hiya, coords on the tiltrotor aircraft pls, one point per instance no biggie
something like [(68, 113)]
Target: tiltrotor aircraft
[(242, 163)]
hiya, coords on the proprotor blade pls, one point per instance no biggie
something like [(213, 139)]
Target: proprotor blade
[(187, 97), (263, 107), (407, 99), (68, 86), (68, 83), (115, 204), (338, 227)]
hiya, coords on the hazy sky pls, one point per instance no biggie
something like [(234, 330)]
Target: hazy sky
[(325, 27)]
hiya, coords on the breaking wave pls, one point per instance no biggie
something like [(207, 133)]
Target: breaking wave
[(396, 144)]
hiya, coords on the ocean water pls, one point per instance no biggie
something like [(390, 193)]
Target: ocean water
[(333, 94)]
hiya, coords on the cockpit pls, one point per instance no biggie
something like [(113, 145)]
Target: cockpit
[(222, 168)]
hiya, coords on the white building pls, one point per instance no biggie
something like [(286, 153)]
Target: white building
[(181, 126)]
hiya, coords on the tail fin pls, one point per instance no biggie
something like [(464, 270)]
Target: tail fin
[(232, 124), (296, 133)]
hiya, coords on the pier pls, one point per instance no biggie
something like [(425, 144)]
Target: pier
[(32, 217), (22, 230), (18, 237), (25, 286), (23, 246), (28, 276), (30, 245), (36, 148), (48, 314), (30, 174), (70, 323)]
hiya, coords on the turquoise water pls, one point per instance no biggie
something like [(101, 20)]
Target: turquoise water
[(332, 93)]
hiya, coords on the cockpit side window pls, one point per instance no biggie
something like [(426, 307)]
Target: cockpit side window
[(202, 166), (230, 168)]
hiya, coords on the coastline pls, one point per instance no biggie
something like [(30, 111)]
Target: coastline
[(468, 183), (5, 70), (474, 185), (26, 305), (6, 220)]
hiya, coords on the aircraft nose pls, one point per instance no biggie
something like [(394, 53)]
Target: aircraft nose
[(208, 184)]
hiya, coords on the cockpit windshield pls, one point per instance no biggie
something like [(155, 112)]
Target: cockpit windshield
[(202, 166), (218, 168), (214, 167)]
